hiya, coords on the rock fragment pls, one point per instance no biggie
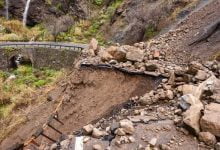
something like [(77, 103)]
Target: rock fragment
[(97, 147), (153, 141), (201, 75), (88, 129), (207, 138), (127, 126), (135, 55), (210, 121), (94, 45), (96, 133)]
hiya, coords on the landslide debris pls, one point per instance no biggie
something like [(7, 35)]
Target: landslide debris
[(181, 113)]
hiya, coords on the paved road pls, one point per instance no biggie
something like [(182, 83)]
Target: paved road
[(55, 45)]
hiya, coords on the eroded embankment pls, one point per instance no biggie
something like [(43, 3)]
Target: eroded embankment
[(88, 94)]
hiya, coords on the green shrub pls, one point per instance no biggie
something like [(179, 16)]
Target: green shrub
[(40, 83), (48, 2), (3, 75), (98, 2), (2, 3), (150, 32)]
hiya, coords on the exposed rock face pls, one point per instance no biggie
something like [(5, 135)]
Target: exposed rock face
[(210, 121), (133, 18), (40, 9)]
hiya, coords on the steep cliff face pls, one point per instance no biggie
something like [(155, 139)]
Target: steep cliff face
[(136, 20), (41, 9), (130, 22)]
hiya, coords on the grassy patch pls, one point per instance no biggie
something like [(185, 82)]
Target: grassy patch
[(84, 31), (150, 32), (28, 88), (98, 2), (14, 30), (17, 93), (2, 3)]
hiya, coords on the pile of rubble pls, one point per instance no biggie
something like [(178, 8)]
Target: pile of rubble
[(142, 57), (182, 113)]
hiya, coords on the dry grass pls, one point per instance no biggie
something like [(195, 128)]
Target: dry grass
[(10, 124), (216, 56), (14, 30)]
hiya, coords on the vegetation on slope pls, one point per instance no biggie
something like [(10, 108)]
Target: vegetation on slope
[(13, 30), (21, 92), (84, 30)]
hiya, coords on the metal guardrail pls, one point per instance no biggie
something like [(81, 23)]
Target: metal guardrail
[(54, 45)]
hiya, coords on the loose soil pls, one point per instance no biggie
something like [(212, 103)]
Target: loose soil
[(88, 94), (189, 30)]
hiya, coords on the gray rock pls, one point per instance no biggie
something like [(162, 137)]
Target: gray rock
[(151, 67), (114, 126), (146, 99), (184, 102), (192, 116), (140, 118)]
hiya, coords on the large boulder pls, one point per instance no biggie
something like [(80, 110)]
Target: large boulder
[(201, 75), (214, 89), (210, 122), (94, 45), (105, 56), (117, 53), (135, 54), (192, 116)]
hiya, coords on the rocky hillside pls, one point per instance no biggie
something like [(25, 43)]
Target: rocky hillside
[(120, 21), (41, 9), (160, 94)]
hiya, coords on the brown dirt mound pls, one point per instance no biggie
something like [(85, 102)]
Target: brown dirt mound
[(88, 94)]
